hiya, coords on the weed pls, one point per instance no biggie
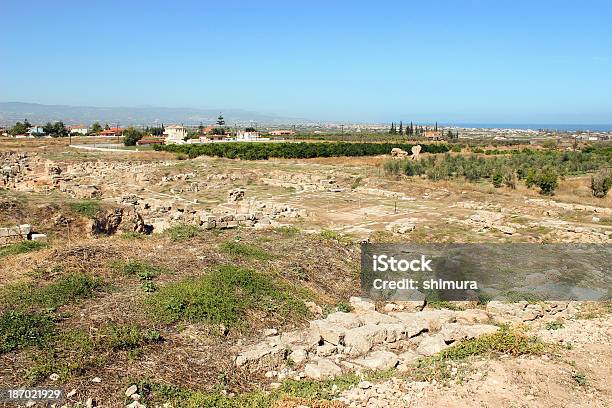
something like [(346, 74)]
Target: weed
[(344, 307), (64, 290), (132, 235), (325, 390), (580, 378), (444, 304), (330, 235), (222, 297), (75, 351), (288, 231), (307, 391), (140, 269), (87, 208), (19, 329), (503, 341), (183, 232), (245, 250), (554, 325), (21, 248)]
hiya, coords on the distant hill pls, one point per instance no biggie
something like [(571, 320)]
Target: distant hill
[(11, 112)]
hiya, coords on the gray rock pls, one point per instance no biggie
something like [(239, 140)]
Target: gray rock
[(361, 339), (326, 350), (298, 355), (131, 390), (261, 357), (431, 345), (329, 332), (378, 360), (321, 369), (343, 319)]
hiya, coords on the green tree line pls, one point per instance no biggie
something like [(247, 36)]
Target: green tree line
[(302, 150)]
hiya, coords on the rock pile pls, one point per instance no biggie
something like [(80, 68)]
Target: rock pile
[(366, 339)]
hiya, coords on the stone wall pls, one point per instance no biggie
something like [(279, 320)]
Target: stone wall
[(15, 234)]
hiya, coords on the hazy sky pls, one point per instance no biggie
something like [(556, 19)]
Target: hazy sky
[(463, 61)]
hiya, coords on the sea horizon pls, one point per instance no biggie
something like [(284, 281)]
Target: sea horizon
[(536, 126)]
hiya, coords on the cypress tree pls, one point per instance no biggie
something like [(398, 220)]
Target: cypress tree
[(401, 128)]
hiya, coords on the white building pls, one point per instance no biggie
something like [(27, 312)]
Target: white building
[(80, 129), (245, 135), (36, 131), (175, 134)]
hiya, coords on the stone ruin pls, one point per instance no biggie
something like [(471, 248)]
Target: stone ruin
[(303, 181), (366, 339), (416, 151), (398, 153), (19, 233), (13, 167), (234, 195)]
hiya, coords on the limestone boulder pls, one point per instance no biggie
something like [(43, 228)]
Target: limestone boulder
[(378, 360), (431, 345), (361, 339), (321, 369), (261, 357)]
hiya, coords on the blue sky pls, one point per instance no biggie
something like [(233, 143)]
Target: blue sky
[(451, 61)]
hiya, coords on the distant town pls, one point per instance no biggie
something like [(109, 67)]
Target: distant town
[(221, 131)]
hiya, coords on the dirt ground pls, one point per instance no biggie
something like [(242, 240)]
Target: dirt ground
[(334, 203)]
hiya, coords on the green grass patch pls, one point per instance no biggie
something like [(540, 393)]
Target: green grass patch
[(329, 235), (504, 341), (21, 248), (75, 351), (440, 366), (64, 290), (87, 208), (444, 304), (288, 231), (241, 249), (132, 235), (19, 330), (154, 393), (183, 232), (319, 390), (224, 296)]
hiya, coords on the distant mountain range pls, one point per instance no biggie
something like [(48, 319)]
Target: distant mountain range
[(11, 112)]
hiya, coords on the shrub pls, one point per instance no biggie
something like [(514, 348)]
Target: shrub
[(497, 179), (132, 135), (510, 179), (601, 183), (302, 150), (547, 181)]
